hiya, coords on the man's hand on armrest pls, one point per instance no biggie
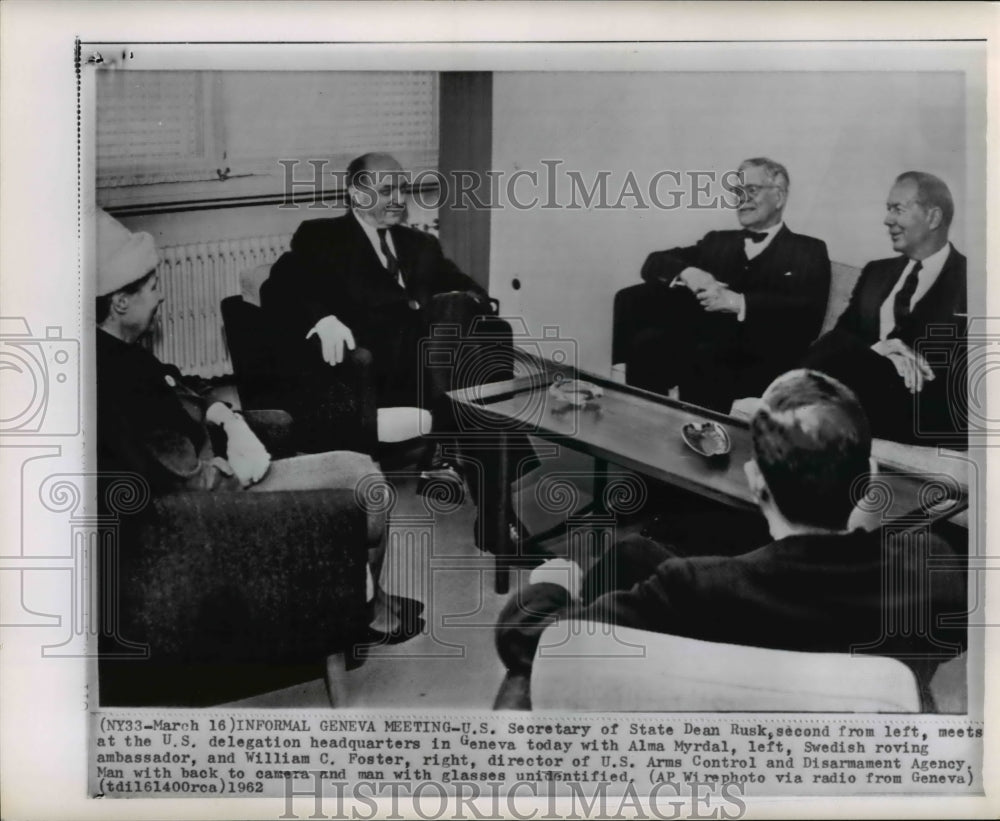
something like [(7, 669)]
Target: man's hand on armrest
[(911, 366), (524, 618), (563, 572), (335, 337), (553, 588)]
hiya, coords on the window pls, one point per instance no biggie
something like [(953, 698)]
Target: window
[(173, 136), (154, 126)]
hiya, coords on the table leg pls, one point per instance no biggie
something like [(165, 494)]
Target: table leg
[(600, 483), (502, 544)]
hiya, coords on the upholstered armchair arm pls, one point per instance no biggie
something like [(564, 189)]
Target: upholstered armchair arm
[(228, 590), (275, 429)]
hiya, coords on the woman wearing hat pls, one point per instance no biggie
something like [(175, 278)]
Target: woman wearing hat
[(149, 422)]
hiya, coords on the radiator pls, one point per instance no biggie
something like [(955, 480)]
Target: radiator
[(195, 279)]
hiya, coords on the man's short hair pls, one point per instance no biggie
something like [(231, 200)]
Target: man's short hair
[(776, 172), (103, 303), (932, 192), (812, 443)]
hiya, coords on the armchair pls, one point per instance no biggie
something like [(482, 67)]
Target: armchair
[(653, 672), (231, 594), (340, 414)]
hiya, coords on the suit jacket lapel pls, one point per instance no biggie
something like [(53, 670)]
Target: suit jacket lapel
[(940, 301), (885, 284), (364, 258), (774, 246)]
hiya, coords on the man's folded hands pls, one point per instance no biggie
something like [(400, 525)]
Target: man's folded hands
[(695, 279)]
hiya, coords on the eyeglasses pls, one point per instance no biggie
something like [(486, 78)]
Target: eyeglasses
[(751, 191)]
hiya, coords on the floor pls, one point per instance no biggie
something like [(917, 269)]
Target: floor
[(431, 557)]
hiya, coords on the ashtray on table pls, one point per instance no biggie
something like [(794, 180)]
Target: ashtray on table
[(575, 392), (708, 438)]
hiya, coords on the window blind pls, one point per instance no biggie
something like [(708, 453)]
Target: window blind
[(183, 126), (329, 116), (153, 127)]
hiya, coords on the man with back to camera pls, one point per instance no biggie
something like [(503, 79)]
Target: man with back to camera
[(898, 303), (818, 586), (722, 318), (150, 423), (366, 279)]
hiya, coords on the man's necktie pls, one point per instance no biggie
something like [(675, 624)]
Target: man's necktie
[(901, 304), (392, 265), (754, 236)]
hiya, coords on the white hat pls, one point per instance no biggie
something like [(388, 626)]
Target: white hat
[(122, 257)]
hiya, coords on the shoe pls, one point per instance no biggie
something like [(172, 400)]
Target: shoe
[(376, 638)]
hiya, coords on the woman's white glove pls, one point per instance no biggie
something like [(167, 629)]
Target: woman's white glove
[(245, 453)]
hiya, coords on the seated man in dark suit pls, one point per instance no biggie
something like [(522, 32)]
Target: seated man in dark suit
[(897, 305), (151, 424), (722, 318), (365, 279), (818, 586)]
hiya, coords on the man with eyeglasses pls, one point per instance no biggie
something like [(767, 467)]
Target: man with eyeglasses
[(722, 318), (901, 342)]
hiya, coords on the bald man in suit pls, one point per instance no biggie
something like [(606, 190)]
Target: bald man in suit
[(366, 279)]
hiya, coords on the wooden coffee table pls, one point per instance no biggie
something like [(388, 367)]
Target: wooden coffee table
[(641, 431)]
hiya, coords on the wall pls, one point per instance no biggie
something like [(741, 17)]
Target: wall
[(843, 136), (226, 223), (185, 227)]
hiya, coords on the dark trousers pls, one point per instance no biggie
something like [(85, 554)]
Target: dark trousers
[(449, 344), (678, 344)]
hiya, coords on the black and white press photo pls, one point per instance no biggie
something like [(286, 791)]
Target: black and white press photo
[(554, 422)]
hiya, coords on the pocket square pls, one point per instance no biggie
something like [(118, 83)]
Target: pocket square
[(788, 273)]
